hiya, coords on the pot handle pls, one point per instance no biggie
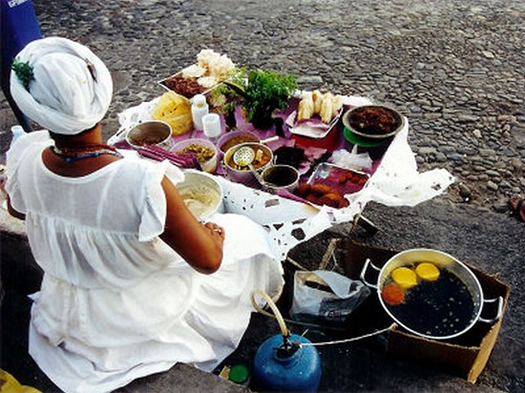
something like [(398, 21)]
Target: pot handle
[(362, 276), (499, 299)]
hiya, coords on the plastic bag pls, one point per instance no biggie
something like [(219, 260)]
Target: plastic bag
[(174, 110), (326, 296)]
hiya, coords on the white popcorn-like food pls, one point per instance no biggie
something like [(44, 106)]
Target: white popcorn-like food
[(218, 66), (207, 81), (193, 71), (207, 56)]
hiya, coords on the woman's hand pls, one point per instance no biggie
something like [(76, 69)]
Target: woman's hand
[(216, 231)]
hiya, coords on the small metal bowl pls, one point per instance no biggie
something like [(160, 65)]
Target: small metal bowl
[(235, 138), (280, 177), (152, 132)]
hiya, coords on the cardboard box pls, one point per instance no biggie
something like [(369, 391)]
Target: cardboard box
[(464, 356)]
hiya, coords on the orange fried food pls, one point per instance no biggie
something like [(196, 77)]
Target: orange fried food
[(393, 294), (427, 271), (303, 190), (332, 199), (404, 277), (312, 198), (343, 202), (321, 189)]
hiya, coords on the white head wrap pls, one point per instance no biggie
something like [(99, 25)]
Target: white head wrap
[(71, 90)]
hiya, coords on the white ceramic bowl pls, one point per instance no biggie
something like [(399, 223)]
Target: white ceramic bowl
[(201, 193), (196, 144)]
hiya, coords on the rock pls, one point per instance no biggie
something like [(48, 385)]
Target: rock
[(492, 186), (427, 150), (517, 165), (492, 173), (464, 191), (440, 157)]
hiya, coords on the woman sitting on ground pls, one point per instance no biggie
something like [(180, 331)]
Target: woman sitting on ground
[(133, 283)]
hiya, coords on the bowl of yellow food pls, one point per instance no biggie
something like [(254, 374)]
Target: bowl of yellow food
[(242, 173), (201, 193)]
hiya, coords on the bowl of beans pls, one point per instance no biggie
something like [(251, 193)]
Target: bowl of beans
[(204, 149)]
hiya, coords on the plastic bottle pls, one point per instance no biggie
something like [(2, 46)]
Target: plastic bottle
[(199, 108), (16, 131)]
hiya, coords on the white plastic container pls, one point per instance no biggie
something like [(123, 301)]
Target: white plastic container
[(211, 125), (199, 108)]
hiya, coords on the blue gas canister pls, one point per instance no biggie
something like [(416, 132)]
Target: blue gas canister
[(282, 363)]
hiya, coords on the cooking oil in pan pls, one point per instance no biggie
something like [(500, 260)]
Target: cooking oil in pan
[(439, 308)]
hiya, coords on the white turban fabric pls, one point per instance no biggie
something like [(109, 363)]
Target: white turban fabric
[(71, 90)]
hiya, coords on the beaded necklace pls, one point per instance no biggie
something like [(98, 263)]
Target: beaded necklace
[(72, 154)]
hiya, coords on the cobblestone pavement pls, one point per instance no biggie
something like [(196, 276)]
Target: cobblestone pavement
[(454, 68)]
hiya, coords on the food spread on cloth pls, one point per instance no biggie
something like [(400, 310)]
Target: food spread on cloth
[(337, 176)]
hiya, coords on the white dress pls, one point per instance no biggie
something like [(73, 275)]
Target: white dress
[(116, 302)]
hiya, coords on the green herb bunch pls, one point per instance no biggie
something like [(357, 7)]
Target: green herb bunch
[(23, 71), (262, 93)]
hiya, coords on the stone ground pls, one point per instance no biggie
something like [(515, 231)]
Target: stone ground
[(454, 68)]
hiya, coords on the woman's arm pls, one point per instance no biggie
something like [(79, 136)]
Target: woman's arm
[(200, 245), (15, 213), (10, 209)]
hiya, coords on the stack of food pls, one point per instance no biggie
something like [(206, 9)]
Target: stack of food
[(327, 106)]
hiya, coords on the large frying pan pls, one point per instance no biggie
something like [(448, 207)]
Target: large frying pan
[(442, 309)]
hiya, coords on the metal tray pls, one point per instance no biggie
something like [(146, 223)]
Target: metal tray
[(205, 91), (346, 181)]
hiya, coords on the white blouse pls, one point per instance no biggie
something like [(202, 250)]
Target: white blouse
[(116, 302)]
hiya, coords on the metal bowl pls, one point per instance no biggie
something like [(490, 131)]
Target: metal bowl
[(235, 138), (201, 193), (243, 174), (451, 308), (151, 132), (280, 177)]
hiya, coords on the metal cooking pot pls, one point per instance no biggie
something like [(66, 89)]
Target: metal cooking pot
[(243, 174), (442, 309)]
